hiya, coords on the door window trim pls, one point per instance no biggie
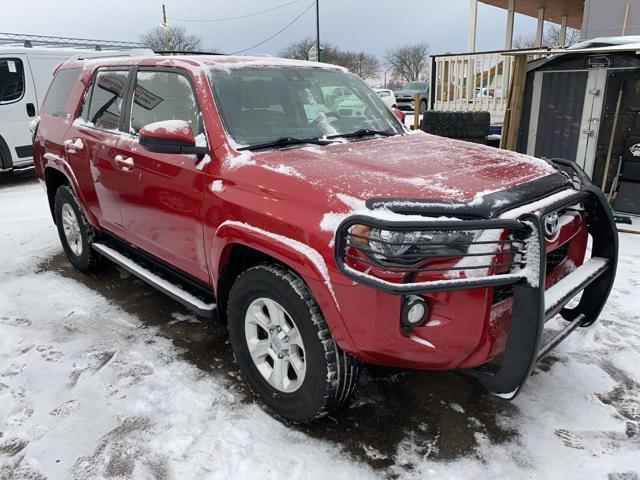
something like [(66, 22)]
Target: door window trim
[(24, 79), (129, 103), (88, 96)]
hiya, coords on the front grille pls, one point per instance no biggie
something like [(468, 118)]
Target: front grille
[(502, 293), (557, 256)]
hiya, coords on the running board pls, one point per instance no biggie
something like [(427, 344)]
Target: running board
[(192, 301)]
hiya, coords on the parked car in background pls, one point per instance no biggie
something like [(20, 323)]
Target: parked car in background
[(25, 74), (324, 240), (387, 96), (405, 96)]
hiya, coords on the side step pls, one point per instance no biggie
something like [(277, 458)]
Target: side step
[(204, 307)]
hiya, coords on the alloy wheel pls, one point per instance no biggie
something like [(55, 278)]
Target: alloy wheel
[(275, 344)]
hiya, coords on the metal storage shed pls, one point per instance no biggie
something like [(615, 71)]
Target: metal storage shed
[(572, 103)]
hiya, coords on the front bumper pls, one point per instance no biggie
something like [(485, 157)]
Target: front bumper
[(532, 305)]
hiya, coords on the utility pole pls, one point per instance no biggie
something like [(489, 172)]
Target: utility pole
[(165, 28), (320, 56)]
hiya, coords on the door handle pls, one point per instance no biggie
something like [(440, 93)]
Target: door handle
[(125, 164), (31, 110), (73, 145)]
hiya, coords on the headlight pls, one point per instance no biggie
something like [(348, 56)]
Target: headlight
[(410, 247), (389, 243)]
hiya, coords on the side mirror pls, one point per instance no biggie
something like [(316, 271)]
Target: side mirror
[(170, 136), (400, 115)]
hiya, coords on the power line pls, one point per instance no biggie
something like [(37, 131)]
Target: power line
[(237, 17), (278, 32)]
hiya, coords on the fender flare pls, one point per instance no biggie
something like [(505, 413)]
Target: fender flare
[(6, 161), (302, 259), (55, 162)]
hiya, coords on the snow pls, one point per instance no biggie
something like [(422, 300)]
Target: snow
[(89, 389), (242, 158), (554, 295), (228, 63), (171, 126), (283, 169), (206, 160), (216, 186)]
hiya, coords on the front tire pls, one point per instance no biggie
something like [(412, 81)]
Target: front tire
[(283, 345), (76, 233)]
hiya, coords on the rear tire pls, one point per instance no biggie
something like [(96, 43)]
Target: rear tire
[(76, 233), (324, 379)]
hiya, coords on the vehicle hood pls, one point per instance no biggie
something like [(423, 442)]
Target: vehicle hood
[(414, 166), (404, 92)]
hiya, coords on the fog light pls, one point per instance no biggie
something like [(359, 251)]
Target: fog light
[(414, 311)]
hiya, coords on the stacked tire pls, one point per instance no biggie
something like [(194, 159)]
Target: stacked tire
[(468, 126)]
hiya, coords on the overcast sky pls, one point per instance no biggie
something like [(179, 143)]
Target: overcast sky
[(370, 25)]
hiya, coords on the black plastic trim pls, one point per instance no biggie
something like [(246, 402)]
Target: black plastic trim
[(506, 199), (24, 151)]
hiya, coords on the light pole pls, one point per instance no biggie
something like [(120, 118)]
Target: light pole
[(320, 56), (165, 28)]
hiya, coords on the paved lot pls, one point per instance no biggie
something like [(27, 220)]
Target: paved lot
[(101, 376)]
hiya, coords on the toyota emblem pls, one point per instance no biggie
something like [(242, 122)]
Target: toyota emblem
[(551, 225)]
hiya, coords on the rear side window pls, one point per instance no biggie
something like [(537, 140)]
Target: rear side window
[(11, 80), (107, 100), (59, 91), (162, 96)]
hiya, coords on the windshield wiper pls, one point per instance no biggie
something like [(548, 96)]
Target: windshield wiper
[(286, 141), (365, 132)]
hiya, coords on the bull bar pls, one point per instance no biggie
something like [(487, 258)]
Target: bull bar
[(532, 304)]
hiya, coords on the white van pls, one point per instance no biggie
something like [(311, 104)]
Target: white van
[(25, 74)]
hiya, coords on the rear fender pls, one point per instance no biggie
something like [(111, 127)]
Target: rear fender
[(55, 162), (302, 259)]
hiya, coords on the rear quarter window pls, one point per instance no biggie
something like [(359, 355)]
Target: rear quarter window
[(11, 80), (59, 91)]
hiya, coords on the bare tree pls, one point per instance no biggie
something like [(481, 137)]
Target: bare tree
[(551, 38), (298, 50), (362, 64), (409, 62), (175, 39)]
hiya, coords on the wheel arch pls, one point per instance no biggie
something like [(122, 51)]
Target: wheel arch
[(6, 160), (237, 247), (57, 172)]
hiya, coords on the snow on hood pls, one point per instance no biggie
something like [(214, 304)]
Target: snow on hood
[(418, 166)]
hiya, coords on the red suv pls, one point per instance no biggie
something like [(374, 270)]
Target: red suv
[(323, 232)]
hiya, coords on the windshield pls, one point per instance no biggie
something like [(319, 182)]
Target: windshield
[(259, 105), (416, 86)]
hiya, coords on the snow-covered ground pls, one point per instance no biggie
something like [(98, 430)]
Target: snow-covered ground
[(101, 377)]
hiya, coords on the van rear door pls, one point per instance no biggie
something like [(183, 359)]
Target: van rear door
[(17, 108)]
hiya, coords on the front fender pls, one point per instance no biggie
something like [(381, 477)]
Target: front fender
[(302, 259)]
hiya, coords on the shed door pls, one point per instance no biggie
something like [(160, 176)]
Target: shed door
[(565, 115), (561, 105)]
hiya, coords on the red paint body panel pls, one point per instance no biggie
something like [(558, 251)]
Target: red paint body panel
[(175, 208)]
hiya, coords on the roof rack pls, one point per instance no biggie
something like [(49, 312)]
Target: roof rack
[(31, 40), (181, 52), (133, 52)]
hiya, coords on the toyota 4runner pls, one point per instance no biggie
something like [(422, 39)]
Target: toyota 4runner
[(325, 240)]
